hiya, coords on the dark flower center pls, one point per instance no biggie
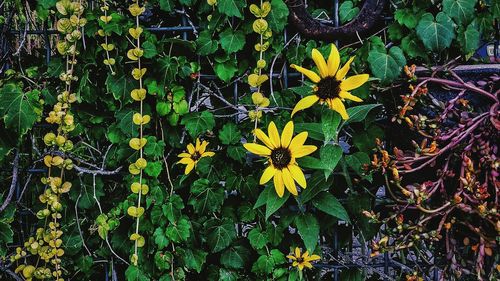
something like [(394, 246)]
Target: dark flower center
[(328, 88), (196, 156), (300, 260), (281, 157)]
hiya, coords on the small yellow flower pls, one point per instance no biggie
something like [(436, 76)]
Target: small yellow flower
[(281, 153), (136, 10), (259, 100), (303, 260), (194, 154), (331, 87)]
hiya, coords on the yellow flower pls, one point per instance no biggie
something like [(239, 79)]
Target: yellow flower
[(331, 86), (281, 153), (302, 260), (194, 154)]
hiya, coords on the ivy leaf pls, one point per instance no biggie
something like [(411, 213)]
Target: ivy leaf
[(179, 231), (406, 17), (459, 10), (198, 122), (149, 49), (160, 238), (327, 203), (167, 5), (386, 66), (232, 41), (235, 257), (226, 70), (133, 273), (205, 45), (193, 258), (19, 109), (436, 34), (347, 11), (229, 134), (469, 39), (277, 17), (231, 8), (357, 161), (220, 234), (413, 47), (120, 86), (153, 169), (206, 198), (308, 227), (257, 238)]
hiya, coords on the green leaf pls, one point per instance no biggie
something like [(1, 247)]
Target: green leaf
[(274, 202), (206, 198), (347, 11), (198, 122), (308, 228), (6, 233), (359, 113), (257, 238), (277, 17), (149, 49), (134, 273), (314, 130), (229, 134), (469, 39), (236, 152), (327, 203), (160, 238), (460, 11), (315, 184), (413, 47), (235, 257), (120, 85), (231, 8), (205, 45), (386, 66), (436, 34), (153, 169), (232, 41), (246, 213), (19, 109), (406, 17), (357, 161), (179, 231), (330, 122), (167, 5), (226, 70), (330, 156), (220, 234), (193, 258)]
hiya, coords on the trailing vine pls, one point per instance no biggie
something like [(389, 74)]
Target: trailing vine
[(140, 119), (105, 18)]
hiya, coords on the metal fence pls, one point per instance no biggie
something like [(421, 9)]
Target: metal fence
[(386, 266)]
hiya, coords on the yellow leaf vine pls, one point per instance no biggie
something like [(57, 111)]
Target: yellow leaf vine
[(45, 245), (106, 46), (139, 94), (256, 79)]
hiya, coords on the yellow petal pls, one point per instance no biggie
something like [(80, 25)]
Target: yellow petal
[(301, 266), (263, 138), (272, 131), (197, 146), (185, 161), (305, 255), (310, 74), (278, 183), (337, 105), (184, 154), (298, 175), (291, 257), (303, 151), (295, 263), (349, 96), (287, 134), (208, 154), (267, 175), (343, 71), (314, 257), (289, 182), (298, 141), (320, 63), (191, 149), (257, 149), (354, 82), (333, 61), (304, 103), (297, 252), (189, 168), (308, 264), (203, 147)]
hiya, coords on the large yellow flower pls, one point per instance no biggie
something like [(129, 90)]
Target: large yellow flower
[(303, 260), (194, 154), (331, 86), (281, 153)]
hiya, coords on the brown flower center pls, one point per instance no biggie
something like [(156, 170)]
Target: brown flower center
[(300, 260), (281, 157), (328, 88), (196, 156)]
